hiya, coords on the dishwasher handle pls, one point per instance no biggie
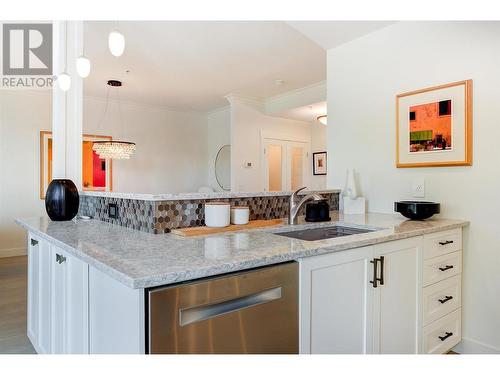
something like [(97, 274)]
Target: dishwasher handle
[(197, 314)]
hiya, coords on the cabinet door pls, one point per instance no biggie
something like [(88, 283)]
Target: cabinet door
[(33, 253), (69, 284), (44, 292), (397, 301), (336, 303)]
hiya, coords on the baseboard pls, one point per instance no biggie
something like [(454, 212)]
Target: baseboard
[(16, 252), (470, 346)]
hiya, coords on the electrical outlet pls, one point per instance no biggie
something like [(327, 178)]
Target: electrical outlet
[(418, 188)]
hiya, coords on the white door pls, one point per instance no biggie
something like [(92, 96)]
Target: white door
[(286, 164), (69, 304), (336, 302), (396, 314)]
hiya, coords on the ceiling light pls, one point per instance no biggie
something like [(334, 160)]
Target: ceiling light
[(116, 43), (279, 82), (64, 81), (322, 119), (83, 66)]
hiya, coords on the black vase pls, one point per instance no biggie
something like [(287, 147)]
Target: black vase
[(62, 200)]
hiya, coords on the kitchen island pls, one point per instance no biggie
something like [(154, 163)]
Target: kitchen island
[(103, 292)]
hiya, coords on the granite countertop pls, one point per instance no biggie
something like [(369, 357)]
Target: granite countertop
[(191, 196), (141, 260)]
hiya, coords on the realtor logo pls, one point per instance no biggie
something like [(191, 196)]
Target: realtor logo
[(27, 49)]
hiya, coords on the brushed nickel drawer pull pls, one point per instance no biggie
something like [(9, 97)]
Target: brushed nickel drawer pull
[(60, 258), (446, 299), (197, 314), (446, 268)]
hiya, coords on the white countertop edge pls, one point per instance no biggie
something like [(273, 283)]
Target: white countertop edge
[(195, 196)]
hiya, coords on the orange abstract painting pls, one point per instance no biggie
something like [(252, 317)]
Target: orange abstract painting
[(430, 127)]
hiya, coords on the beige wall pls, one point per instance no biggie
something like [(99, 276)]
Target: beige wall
[(364, 76)]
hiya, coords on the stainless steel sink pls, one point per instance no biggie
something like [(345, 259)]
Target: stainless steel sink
[(324, 233)]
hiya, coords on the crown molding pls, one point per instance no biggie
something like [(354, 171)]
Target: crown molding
[(307, 95)]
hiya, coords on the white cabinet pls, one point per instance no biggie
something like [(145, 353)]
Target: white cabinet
[(363, 300), (336, 303), (57, 299), (396, 301)]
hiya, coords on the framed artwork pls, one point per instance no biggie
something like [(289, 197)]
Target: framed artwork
[(319, 163), (434, 126), (96, 173)]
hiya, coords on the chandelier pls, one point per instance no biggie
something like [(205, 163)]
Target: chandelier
[(113, 149)]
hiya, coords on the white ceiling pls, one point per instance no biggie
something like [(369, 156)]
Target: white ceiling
[(307, 113), (330, 34), (193, 65)]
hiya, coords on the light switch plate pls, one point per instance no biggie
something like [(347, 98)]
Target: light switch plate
[(418, 188)]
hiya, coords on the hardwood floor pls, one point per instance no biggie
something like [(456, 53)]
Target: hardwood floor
[(13, 290)]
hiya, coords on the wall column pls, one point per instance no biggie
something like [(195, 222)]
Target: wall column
[(67, 106)]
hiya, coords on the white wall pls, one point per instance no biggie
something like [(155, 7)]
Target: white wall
[(219, 134), (364, 77), (248, 123), (318, 144), (171, 153), (22, 115), (171, 146)]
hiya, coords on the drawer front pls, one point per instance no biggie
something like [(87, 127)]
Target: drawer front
[(443, 267), (443, 334), (441, 243), (441, 298)]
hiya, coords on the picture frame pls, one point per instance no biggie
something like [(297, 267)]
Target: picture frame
[(319, 163), (434, 126), (105, 182)]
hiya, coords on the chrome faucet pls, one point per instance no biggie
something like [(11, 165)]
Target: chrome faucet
[(295, 206)]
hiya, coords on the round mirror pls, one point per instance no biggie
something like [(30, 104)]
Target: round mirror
[(223, 167)]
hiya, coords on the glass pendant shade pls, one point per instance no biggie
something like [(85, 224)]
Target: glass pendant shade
[(116, 43), (114, 149), (64, 81), (83, 66)]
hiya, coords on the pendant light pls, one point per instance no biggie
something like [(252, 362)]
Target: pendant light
[(64, 79), (322, 119), (83, 66), (116, 42), (113, 149), (83, 63)]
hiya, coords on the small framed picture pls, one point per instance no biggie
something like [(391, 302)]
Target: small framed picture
[(319, 163)]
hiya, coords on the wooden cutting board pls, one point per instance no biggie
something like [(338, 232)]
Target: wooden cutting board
[(202, 231)]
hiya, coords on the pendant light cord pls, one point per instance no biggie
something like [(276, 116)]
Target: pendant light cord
[(105, 109), (66, 101)]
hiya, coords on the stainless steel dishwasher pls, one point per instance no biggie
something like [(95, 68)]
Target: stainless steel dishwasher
[(252, 311)]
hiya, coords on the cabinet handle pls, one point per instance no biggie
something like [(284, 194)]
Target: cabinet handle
[(60, 259), (446, 268), (448, 334), (444, 243), (446, 299), (375, 279), (381, 270), (34, 242)]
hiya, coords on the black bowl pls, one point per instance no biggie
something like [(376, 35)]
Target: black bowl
[(417, 210)]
